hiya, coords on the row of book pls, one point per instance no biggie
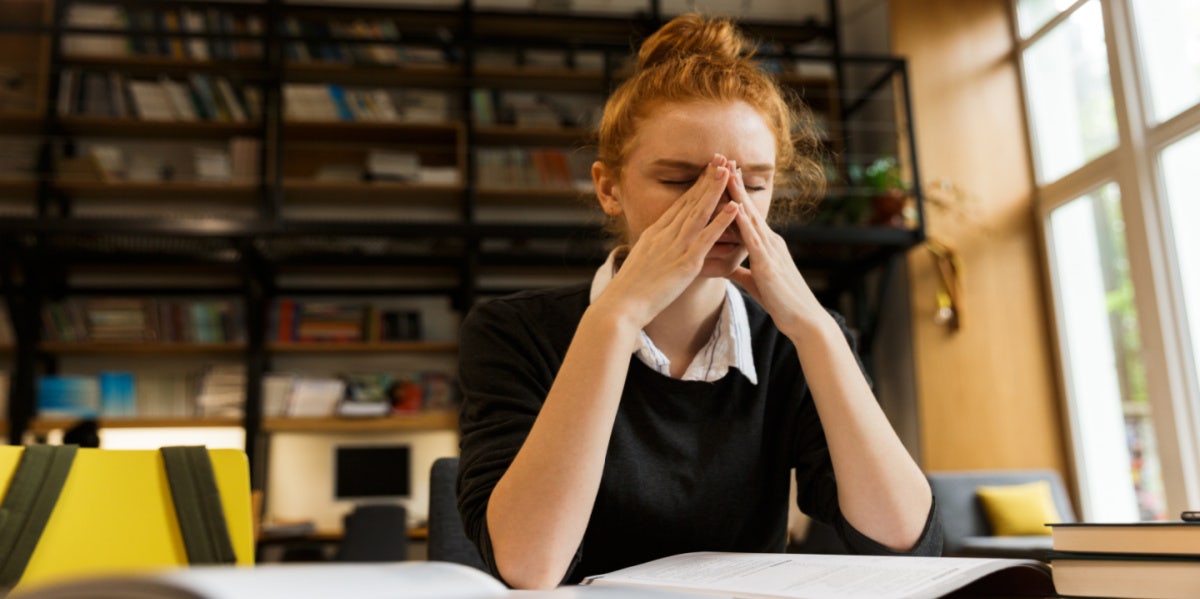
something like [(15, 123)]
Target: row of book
[(199, 98), (358, 394), (219, 391), (143, 320), (387, 165), (1143, 560), (221, 34), (529, 168), (333, 102), (236, 161), (341, 40), (330, 321), (535, 109)]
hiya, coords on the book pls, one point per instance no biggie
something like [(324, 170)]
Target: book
[(1169, 537), (809, 576), (1131, 576), (701, 574)]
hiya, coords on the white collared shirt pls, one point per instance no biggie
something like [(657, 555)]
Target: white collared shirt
[(728, 347)]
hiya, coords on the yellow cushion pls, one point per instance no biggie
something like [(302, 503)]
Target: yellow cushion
[(1017, 510)]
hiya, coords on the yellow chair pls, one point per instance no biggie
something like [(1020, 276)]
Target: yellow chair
[(115, 515)]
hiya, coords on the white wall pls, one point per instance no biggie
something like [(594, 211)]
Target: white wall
[(300, 479)]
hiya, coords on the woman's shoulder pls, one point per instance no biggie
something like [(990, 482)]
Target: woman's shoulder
[(546, 306)]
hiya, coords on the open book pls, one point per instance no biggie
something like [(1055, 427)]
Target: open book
[(791, 576), (805, 576)]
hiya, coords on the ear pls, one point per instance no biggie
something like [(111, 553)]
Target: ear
[(606, 189)]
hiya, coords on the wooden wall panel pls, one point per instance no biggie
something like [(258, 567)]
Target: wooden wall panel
[(987, 396)]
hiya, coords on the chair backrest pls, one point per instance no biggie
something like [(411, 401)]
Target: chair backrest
[(111, 498), (447, 540), (962, 514), (375, 533)]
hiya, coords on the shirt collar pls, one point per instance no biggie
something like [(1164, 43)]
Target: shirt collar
[(728, 347)]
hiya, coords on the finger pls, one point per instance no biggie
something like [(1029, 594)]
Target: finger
[(737, 187), (752, 236), (707, 186), (705, 200), (712, 232)]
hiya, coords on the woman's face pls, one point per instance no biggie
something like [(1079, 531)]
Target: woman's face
[(673, 145)]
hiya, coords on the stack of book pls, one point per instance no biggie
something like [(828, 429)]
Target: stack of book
[(1144, 560)]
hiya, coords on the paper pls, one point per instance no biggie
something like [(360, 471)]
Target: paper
[(810, 576)]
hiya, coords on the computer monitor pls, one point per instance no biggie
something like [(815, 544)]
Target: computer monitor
[(371, 472)]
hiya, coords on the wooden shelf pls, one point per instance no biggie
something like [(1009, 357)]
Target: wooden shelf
[(45, 425), (17, 186), (154, 190), (136, 348), (308, 190), (421, 421), (161, 130), (536, 197), (20, 123), (559, 80), (407, 75), (510, 134), (447, 133), (398, 347), (141, 64)]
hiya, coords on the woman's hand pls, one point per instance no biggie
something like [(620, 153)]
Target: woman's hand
[(772, 279), (669, 254)]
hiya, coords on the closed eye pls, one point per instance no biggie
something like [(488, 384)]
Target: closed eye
[(683, 183)]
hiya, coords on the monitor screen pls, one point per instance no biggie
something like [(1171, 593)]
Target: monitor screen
[(365, 471)]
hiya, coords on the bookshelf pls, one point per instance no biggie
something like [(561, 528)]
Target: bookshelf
[(354, 153)]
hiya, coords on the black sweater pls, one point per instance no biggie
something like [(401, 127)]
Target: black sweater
[(691, 466)]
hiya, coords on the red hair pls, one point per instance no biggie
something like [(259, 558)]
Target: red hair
[(694, 58)]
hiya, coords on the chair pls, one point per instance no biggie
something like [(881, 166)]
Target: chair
[(447, 540), (965, 526), (375, 533)]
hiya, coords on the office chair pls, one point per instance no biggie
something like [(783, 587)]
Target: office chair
[(375, 533), (447, 540)]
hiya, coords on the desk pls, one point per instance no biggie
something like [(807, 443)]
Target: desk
[(294, 544)]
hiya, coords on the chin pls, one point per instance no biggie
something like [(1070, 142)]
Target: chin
[(719, 265)]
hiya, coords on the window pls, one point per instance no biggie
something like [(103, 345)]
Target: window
[(1112, 89)]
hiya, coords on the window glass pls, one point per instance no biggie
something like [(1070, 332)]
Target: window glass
[(1070, 96), (1179, 162), (1032, 14), (1117, 456), (1168, 33)]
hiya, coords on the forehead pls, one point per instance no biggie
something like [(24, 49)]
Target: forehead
[(694, 131)]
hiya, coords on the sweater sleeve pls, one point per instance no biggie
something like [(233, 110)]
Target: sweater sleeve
[(506, 369), (817, 485)]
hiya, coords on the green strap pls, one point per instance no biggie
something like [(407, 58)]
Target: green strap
[(198, 505), (27, 506)]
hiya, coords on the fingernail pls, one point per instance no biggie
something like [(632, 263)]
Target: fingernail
[(719, 172)]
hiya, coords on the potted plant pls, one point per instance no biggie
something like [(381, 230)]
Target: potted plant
[(882, 183)]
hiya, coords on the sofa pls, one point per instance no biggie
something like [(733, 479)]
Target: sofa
[(968, 532)]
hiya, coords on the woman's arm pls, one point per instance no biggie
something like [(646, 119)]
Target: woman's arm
[(539, 509), (881, 490)]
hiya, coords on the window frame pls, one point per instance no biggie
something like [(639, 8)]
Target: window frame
[(1174, 392)]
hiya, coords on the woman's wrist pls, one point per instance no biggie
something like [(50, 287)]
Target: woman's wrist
[(804, 327), (611, 322)]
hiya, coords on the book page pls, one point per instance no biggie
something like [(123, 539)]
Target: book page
[(806, 576), (410, 580)]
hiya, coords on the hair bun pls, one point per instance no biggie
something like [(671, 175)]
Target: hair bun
[(693, 35)]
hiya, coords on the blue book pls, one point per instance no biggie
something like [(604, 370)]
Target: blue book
[(339, 100), (63, 396), (117, 394)]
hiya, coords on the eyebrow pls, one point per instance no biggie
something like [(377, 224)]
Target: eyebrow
[(685, 165)]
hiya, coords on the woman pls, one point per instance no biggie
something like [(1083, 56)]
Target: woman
[(578, 458)]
